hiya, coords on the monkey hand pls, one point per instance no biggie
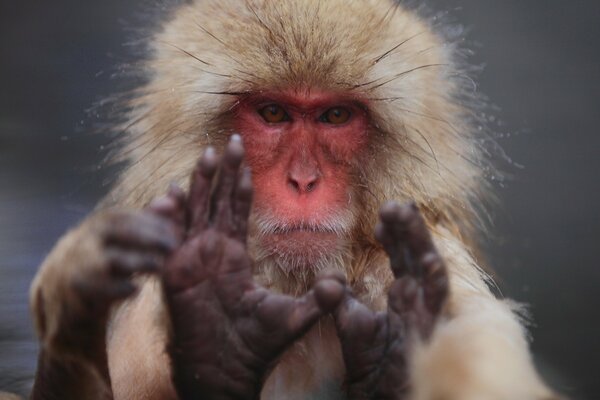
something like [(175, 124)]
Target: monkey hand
[(89, 270), (376, 346), (228, 331)]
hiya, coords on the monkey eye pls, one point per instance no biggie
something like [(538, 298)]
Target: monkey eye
[(336, 116), (274, 114)]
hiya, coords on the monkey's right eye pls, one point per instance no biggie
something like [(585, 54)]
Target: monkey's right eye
[(274, 114)]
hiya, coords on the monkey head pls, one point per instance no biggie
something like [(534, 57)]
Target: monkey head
[(341, 105)]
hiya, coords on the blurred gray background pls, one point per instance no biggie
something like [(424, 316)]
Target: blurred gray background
[(542, 70)]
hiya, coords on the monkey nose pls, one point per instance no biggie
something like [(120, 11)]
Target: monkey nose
[(302, 183)]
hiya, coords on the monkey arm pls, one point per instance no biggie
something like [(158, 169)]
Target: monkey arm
[(228, 331), (376, 346), (481, 351), (86, 273)]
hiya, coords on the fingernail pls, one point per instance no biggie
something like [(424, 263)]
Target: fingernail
[(209, 151), (175, 190)]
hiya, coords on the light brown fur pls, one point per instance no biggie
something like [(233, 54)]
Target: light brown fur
[(422, 148)]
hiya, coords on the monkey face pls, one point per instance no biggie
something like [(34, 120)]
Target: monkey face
[(300, 147), (341, 107)]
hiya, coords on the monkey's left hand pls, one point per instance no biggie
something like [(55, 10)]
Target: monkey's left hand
[(375, 346), (228, 331)]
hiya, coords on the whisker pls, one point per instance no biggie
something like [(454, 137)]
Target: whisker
[(188, 53), (404, 73), (390, 51)]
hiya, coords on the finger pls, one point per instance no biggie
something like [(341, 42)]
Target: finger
[(329, 293), (242, 205), (435, 282), (402, 295), (354, 321), (222, 197), (408, 309), (417, 235), (172, 206), (198, 199), (288, 314), (234, 276), (143, 230), (394, 247), (188, 265), (404, 234), (297, 315), (124, 263)]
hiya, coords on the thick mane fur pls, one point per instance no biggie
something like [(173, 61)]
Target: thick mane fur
[(422, 144)]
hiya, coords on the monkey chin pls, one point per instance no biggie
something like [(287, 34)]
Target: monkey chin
[(289, 253), (288, 262), (303, 248)]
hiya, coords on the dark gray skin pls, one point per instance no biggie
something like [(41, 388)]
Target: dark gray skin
[(376, 345), (228, 327), (228, 332)]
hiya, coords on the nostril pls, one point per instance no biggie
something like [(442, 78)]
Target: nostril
[(294, 184), (302, 185)]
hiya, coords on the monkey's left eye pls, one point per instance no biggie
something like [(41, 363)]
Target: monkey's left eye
[(274, 114), (336, 116)]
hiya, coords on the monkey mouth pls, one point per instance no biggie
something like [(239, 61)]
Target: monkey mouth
[(269, 225), (302, 241), (302, 228), (305, 241), (301, 238)]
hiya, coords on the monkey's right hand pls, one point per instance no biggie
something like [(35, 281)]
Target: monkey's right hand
[(376, 346), (88, 271), (228, 331)]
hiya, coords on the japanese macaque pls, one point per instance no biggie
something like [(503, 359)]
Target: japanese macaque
[(287, 269)]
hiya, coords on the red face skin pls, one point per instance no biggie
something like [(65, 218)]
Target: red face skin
[(301, 158)]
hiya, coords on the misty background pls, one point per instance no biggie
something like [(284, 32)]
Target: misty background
[(542, 71)]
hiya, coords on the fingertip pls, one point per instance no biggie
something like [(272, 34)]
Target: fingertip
[(163, 205), (208, 162), (235, 150), (236, 138), (209, 152), (176, 192), (380, 232), (389, 211), (408, 212), (333, 274), (329, 294)]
